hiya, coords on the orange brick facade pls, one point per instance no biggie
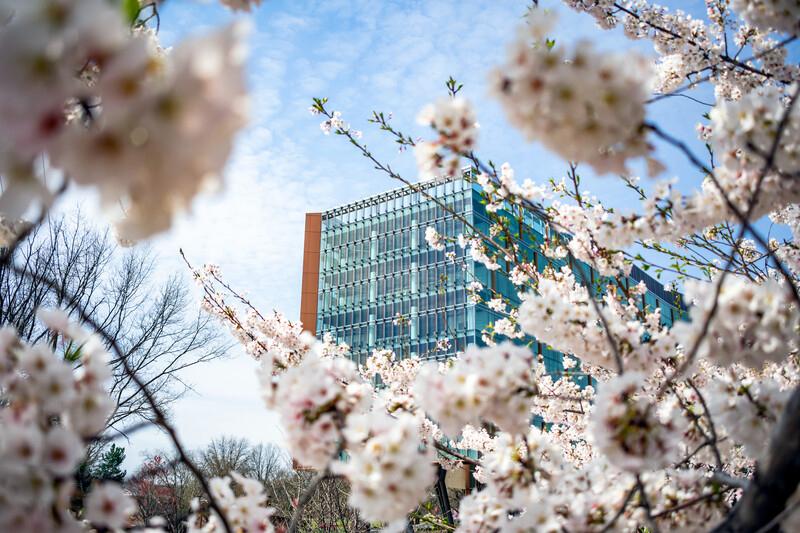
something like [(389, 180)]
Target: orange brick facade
[(310, 283)]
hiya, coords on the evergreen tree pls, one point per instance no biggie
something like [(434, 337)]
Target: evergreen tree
[(108, 468)]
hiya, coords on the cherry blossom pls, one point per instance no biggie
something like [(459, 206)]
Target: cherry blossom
[(743, 133), (778, 15), (108, 505), (752, 324), (314, 416), (246, 512), (38, 457), (130, 153), (494, 383), (746, 410), (434, 239), (454, 121), (142, 113), (241, 5), (628, 431), (601, 124), (388, 468)]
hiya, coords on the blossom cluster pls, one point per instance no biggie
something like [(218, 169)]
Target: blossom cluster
[(667, 216), (454, 121), (273, 337), (388, 467), (563, 403), (752, 323), (481, 511), (136, 125), (478, 251), (49, 413), (747, 410), (583, 224), (600, 124), (493, 384), (245, 510), (131, 152), (110, 506), (754, 135), (628, 431), (397, 376), (561, 314), (688, 45), (314, 400), (778, 15), (530, 487), (434, 239), (335, 123), (506, 189), (788, 252)]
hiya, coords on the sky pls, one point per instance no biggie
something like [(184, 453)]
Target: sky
[(363, 55)]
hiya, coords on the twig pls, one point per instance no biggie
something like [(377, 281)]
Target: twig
[(645, 504), (711, 427), (695, 83), (724, 57), (621, 510), (690, 503), (743, 219), (123, 433)]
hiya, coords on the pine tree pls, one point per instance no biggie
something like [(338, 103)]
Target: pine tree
[(108, 467)]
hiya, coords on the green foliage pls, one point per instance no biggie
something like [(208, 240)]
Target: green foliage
[(83, 483), (319, 105), (130, 9), (453, 87), (108, 467), (72, 352)]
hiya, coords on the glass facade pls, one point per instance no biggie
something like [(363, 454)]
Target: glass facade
[(374, 265)]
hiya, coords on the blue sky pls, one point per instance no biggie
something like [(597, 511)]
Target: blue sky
[(364, 56)]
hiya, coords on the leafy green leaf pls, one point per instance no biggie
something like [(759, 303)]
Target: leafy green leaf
[(130, 9), (73, 352)]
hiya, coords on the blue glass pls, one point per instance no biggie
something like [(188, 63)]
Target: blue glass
[(375, 264)]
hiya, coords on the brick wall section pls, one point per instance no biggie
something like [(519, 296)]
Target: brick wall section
[(310, 283)]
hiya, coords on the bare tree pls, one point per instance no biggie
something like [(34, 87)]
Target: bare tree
[(326, 511), (164, 487), (150, 322), (225, 455), (267, 461)]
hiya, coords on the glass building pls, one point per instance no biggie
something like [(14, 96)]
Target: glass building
[(367, 263)]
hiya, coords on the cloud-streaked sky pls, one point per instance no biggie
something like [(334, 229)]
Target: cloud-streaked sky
[(363, 55)]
